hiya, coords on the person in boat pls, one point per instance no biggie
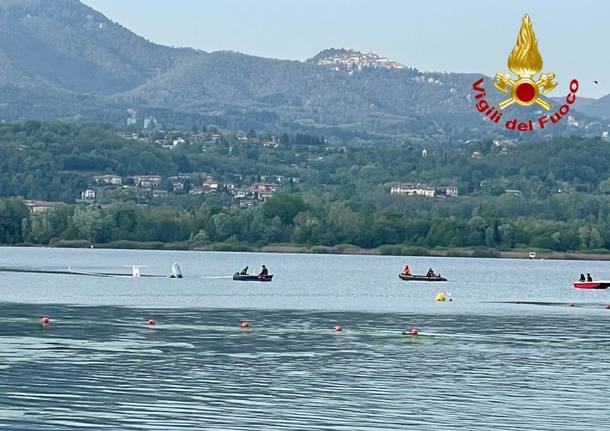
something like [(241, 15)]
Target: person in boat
[(244, 271), (582, 277), (406, 270), (430, 273), (589, 277), (264, 271)]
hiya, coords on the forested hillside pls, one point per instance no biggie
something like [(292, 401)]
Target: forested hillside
[(549, 194)]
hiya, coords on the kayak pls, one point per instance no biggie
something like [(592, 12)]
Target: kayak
[(251, 277), (599, 284), (421, 278)]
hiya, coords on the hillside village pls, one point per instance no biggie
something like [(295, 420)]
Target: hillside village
[(353, 61)]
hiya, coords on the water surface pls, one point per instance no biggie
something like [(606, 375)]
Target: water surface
[(479, 364)]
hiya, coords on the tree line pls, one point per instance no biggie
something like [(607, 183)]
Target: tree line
[(289, 218)]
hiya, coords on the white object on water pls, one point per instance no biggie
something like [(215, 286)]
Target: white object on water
[(176, 272)]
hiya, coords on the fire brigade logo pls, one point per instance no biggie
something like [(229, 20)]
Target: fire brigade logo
[(526, 89), (525, 61)]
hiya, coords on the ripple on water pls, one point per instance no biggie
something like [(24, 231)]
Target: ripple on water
[(291, 370)]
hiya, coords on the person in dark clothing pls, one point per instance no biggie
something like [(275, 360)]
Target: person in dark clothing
[(264, 271), (589, 277), (582, 277), (430, 273), (244, 271)]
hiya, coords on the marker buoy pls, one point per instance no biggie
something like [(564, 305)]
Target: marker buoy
[(440, 296), (338, 328), (45, 320), (414, 332), (244, 324), (152, 322)]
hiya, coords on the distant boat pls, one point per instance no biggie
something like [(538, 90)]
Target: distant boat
[(597, 284), (532, 255), (421, 278), (251, 277)]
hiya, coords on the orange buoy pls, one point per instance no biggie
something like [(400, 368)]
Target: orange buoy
[(45, 320), (338, 328), (152, 322), (244, 324), (414, 332)]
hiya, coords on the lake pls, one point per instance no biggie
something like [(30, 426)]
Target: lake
[(486, 360)]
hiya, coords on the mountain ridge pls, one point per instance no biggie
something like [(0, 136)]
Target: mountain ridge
[(61, 59)]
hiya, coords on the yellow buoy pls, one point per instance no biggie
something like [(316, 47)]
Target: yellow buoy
[(440, 296)]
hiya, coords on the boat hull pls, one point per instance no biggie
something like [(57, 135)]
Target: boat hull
[(420, 278), (239, 277), (592, 284)]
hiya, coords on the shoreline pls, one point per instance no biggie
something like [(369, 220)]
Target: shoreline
[(341, 249)]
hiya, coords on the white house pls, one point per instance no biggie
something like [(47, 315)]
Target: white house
[(88, 194), (414, 189)]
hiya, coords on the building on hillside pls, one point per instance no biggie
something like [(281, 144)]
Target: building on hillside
[(148, 181), (88, 194), (447, 191), (113, 180), (263, 190), (150, 123), (513, 192), (37, 207), (160, 194), (247, 203), (414, 189), (178, 141), (210, 185)]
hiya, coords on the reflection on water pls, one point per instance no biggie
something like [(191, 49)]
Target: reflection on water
[(103, 367)]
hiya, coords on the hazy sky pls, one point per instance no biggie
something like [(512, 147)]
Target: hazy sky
[(441, 35)]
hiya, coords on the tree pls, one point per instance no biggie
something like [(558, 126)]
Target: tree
[(285, 206)]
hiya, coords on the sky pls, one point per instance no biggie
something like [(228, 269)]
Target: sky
[(441, 35)]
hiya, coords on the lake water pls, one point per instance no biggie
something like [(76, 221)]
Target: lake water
[(483, 361)]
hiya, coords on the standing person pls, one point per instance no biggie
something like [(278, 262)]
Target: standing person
[(264, 271), (407, 270)]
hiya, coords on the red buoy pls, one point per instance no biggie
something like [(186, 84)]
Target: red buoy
[(338, 328), (244, 324), (152, 322), (45, 320), (414, 332)]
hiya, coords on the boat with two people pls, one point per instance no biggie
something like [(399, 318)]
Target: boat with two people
[(244, 276), (406, 275), (588, 283)]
